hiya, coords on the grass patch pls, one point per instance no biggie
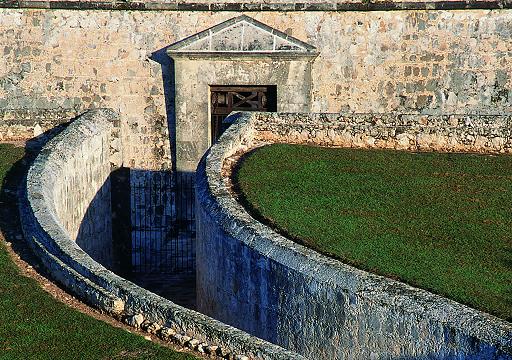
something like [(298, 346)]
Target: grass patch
[(442, 222), (35, 326)]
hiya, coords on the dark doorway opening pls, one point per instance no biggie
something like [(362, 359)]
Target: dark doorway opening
[(153, 231), (225, 99), (162, 223)]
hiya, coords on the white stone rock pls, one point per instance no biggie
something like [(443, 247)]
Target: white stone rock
[(193, 343), (135, 320), (37, 130)]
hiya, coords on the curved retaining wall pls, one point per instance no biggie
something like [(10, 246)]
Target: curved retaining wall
[(68, 175), (253, 278)]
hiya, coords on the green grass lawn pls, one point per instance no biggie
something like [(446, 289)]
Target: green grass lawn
[(33, 325), (442, 222)]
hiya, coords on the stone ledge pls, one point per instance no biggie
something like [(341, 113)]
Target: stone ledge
[(257, 6)]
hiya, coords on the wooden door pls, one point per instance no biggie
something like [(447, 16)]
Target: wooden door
[(225, 99)]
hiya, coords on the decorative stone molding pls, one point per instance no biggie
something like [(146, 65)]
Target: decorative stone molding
[(241, 35), (315, 305)]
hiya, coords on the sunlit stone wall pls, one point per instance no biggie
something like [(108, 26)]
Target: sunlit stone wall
[(55, 64)]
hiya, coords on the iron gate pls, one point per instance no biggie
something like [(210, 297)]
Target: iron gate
[(162, 222)]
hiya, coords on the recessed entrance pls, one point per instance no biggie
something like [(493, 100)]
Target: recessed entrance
[(153, 231), (225, 99), (240, 64)]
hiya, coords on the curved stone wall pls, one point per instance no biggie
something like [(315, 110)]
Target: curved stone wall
[(253, 278), (68, 180)]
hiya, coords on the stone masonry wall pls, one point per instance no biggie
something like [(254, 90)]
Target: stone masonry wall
[(252, 278), (254, 5), (447, 133), (48, 225), (82, 198), (55, 64)]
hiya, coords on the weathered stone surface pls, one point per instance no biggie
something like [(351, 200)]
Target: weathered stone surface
[(193, 343), (166, 333), (258, 5), (56, 64), (309, 303), (241, 34), (135, 320), (469, 133), (48, 224)]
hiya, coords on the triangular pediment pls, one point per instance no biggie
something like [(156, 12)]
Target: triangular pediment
[(241, 35)]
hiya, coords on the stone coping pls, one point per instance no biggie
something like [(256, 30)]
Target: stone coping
[(215, 197), (284, 6), (69, 265)]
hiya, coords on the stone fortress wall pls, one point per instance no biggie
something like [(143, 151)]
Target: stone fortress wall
[(256, 5), (82, 198), (245, 268), (309, 303), (61, 58), (57, 62), (443, 133), (50, 228)]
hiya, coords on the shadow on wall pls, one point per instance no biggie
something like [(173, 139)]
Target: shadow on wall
[(168, 82), (106, 231), (94, 234), (140, 225)]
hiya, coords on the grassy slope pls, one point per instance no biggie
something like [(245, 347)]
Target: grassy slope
[(33, 325), (442, 222)]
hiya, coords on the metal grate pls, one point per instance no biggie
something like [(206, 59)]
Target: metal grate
[(163, 223)]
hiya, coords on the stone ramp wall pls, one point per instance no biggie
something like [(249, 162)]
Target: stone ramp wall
[(309, 303), (55, 196), (81, 189)]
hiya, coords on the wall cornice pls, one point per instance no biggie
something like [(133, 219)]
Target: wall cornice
[(257, 6)]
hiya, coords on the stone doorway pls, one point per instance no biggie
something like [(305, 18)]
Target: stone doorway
[(225, 99), (232, 57)]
